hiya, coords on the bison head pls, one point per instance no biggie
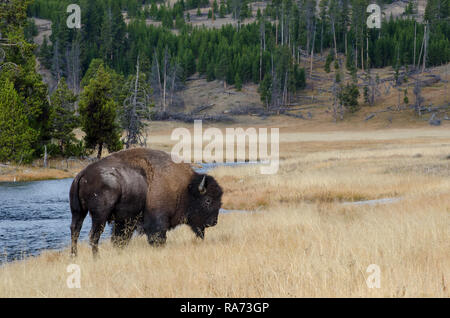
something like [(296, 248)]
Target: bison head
[(205, 200)]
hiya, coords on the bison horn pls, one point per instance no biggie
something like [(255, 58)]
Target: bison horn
[(201, 187)]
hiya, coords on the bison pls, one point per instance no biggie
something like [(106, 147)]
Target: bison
[(142, 188)]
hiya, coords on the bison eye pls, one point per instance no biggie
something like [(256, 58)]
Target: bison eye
[(208, 201)]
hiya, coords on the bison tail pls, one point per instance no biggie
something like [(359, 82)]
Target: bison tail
[(78, 213), (75, 204)]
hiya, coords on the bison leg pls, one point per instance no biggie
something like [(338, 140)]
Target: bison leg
[(155, 228), (98, 225), (157, 238), (199, 231), (122, 232), (118, 232), (75, 229)]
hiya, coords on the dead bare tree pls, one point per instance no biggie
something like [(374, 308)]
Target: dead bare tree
[(262, 45), (310, 22), (56, 61), (332, 17), (418, 96), (136, 109), (166, 81), (312, 52), (426, 36), (371, 90), (421, 49), (73, 66), (415, 41), (174, 84), (156, 79), (337, 109)]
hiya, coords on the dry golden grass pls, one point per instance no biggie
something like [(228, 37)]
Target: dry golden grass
[(301, 241), (32, 174), (57, 169), (286, 251)]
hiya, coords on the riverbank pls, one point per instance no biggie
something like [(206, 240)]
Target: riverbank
[(29, 173)]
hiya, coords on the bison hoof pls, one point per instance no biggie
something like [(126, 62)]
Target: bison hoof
[(156, 243), (156, 240)]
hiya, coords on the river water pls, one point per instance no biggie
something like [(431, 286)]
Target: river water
[(35, 216)]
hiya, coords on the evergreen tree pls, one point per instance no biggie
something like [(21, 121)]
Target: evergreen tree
[(348, 97), (19, 68), (117, 80), (328, 61), (63, 119), (154, 10), (167, 20), (107, 37), (437, 10), (265, 90), (45, 54), (222, 10), (405, 98), (299, 77), (238, 82), (16, 135), (210, 74), (215, 7), (222, 66), (179, 22), (98, 114)]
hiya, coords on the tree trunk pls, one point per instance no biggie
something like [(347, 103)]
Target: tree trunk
[(45, 156), (367, 52), (100, 149), (159, 76), (362, 53), (260, 52), (334, 38), (282, 27), (165, 80), (321, 40), (276, 32), (425, 48), (415, 39), (345, 40), (312, 52)]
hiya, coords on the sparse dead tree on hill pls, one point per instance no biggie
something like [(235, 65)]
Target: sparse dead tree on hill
[(166, 81), (418, 99), (136, 109), (371, 90), (337, 109), (73, 66)]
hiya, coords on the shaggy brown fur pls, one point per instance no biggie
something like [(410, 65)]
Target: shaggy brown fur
[(142, 187)]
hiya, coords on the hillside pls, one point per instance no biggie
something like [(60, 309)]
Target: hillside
[(312, 106)]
